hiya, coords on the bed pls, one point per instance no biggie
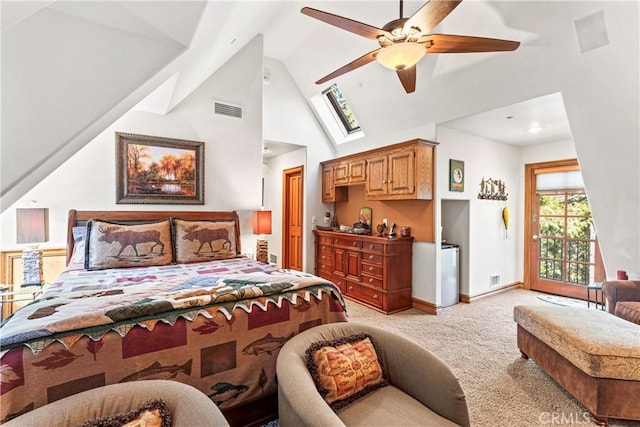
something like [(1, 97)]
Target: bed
[(125, 310)]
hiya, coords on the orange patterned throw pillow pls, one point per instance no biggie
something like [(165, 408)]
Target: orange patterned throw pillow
[(345, 369)]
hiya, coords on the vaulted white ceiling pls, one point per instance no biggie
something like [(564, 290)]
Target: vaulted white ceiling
[(71, 68)]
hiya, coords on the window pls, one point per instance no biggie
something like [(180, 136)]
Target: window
[(341, 108)]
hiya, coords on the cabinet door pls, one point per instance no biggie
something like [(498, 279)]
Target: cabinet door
[(353, 265), (376, 184), (357, 171), (341, 174), (340, 262), (328, 189), (401, 173)]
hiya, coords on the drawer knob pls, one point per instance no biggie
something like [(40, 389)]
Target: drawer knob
[(350, 288), (371, 280), (375, 296), (355, 243), (323, 266), (370, 268), (370, 256), (324, 256)]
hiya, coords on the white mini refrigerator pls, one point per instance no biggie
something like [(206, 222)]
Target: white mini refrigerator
[(450, 274)]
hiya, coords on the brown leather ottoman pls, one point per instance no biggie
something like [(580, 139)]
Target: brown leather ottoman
[(629, 310)]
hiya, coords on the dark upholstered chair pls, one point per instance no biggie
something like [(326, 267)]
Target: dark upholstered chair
[(187, 405), (422, 391)]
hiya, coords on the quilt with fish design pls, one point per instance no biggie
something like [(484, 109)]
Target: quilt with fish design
[(217, 326)]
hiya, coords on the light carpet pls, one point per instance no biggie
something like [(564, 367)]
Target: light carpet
[(478, 342)]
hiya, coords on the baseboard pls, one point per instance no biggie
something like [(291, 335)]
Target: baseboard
[(468, 299), (426, 306)]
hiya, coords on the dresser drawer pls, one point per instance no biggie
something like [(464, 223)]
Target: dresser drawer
[(373, 258), (324, 268), (372, 281), (371, 269), (368, 295), (324, 249), (374, 247), (345, 241), (326, 240), (325, 258)]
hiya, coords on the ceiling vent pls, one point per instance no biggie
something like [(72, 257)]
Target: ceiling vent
[(228, 110), (591, 31)]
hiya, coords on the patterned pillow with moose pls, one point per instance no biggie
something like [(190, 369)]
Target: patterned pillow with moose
[(111, 245), (198, 241)]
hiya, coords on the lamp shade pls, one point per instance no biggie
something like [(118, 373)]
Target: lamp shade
[(262, 222), (401, 55), (32, 225)]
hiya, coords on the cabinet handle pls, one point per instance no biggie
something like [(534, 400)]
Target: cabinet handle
[(370, 256), (339, 283), (371, 280), (384, 182), (371, 246), (355, 243), (323, 266), (350, 288), (376, 296), (324, 256), (370, 268), (390, 181)]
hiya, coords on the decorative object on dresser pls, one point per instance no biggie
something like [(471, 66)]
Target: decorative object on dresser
[(262, 227), (153, 169), (32, 227), (375, 271)]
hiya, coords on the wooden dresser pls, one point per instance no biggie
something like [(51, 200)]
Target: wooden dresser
[(375, 271)]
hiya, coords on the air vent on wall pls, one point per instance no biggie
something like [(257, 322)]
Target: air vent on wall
[(227, 110)]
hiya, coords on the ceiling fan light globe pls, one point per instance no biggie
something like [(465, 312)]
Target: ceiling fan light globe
[(401, 55)]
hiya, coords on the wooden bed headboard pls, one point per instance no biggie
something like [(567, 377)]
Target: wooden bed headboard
[(78, 218)]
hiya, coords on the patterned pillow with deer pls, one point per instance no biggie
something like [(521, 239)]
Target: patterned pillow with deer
[(111, 245), (198, 241)]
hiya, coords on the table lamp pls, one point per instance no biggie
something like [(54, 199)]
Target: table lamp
[(262, 227), (32, 228)]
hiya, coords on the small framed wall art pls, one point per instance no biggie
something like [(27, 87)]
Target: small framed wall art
[(456, 175)]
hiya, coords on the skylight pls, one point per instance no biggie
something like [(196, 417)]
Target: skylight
[(341, 108)]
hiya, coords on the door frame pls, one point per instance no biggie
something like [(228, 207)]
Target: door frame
[(285, 213), (531, 170)]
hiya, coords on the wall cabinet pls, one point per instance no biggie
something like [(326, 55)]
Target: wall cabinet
[(375, 271), (398, 172), (329, 192)]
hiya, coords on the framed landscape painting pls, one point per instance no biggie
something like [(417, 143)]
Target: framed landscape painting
[(157, 170)]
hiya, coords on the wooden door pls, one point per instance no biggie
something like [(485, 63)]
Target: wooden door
[(402, 173), (376, 184), (340, 262), (292, 218), (562, 255)]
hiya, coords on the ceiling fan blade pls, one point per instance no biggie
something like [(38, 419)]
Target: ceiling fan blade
[(363, 60), (408, 78), (350, 25), (430, 15), (447, 43)]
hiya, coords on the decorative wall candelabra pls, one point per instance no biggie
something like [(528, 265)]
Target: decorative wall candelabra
[(492, 189)]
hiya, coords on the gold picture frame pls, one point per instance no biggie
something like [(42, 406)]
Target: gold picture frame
[(158, 170)]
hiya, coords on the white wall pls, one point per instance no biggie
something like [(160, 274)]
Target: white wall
[(288, 118), (490, 251), (232, 154)]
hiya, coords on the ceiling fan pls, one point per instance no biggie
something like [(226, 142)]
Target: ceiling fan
[(404, 41)]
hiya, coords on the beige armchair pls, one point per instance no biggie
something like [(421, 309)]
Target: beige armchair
[(422, 391), (187, 405)]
